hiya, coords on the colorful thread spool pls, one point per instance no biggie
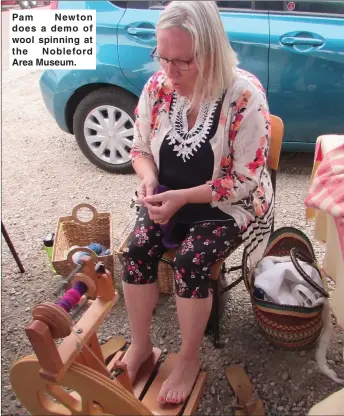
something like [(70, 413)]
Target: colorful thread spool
[(72, 297)]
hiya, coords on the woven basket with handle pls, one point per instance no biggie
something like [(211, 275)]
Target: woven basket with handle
[(288, 325), (71, 231)]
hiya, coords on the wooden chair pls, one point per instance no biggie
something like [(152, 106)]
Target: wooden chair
[(220, 294)]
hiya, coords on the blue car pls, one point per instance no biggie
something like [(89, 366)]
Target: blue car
[(296, 49)]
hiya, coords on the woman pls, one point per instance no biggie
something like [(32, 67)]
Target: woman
[(202, 131)]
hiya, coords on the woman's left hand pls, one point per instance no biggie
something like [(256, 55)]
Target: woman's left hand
[(162, 207)]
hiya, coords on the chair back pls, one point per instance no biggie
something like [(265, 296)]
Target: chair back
[(277, 130)]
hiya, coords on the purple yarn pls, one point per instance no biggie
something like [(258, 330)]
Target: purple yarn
[(168, 227), (64, 304), (80, 287), (72, 296)]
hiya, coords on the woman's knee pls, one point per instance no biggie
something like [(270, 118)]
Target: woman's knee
[(191, 276)]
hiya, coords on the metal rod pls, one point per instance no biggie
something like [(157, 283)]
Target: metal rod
[(80, 307), (233, 269), (231, 285), (11, 247), (69, 278)]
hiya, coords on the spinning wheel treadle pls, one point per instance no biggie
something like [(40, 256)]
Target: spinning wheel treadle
[(91, 392)]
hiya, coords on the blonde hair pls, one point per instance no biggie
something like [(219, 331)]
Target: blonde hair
[(212, 51)]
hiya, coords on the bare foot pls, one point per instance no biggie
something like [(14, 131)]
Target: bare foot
[(135, 357), (178, 386)]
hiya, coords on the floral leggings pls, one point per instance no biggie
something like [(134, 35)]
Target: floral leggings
[(202, 244)]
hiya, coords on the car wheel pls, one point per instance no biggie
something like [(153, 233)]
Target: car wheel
[(104, 128), (24, 4)]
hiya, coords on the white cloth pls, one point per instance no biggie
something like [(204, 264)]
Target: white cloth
[(284, 285)]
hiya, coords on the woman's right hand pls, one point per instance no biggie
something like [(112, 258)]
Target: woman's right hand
[(147, 186)]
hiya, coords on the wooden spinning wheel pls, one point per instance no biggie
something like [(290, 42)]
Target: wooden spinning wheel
[(81, 391), (78, 376)]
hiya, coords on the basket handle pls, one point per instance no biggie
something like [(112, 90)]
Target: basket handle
[(84, 205), (295, 255), (245, 270), (87, 250)]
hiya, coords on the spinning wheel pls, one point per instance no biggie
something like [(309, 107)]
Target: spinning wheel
[(91, 393), (78, 376)]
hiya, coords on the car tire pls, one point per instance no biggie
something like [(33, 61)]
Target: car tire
[(101, 103)]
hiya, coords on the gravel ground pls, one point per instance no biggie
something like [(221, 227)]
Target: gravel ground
[(45, 176)]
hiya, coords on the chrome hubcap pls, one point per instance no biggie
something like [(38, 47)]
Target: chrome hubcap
[(109, 132)]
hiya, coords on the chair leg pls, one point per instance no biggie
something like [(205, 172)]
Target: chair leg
[(216, 315), (11, 247)]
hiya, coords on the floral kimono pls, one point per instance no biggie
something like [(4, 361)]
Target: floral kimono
[(240, 182)]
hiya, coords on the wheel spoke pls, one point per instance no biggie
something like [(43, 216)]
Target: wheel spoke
[(94, 126), (125, 133), (111, 120), (127, 142), (92, 138), (121, 150), (114, 159), (120, 123), (99, 116), (72, 403), (100, 150)]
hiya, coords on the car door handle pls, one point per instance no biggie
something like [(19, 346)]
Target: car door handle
[(139, 31), (292, 40)]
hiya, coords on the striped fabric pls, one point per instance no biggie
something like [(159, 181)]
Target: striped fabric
[(326, 192)]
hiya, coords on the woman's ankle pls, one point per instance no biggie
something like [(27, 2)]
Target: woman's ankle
[(137, 343), (190, 355)]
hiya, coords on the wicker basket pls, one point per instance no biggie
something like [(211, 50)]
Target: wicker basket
[(165, 272), (71, 231), (287, 325)]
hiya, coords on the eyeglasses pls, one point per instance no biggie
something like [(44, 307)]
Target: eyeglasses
[(179, 64)]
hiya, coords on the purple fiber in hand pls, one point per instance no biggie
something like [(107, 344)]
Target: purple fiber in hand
[(168, 227)]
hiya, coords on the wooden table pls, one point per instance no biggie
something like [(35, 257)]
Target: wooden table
[(330, 230)]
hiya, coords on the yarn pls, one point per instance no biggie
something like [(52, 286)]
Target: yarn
[(72, 297), (96, 247), (77, 256)]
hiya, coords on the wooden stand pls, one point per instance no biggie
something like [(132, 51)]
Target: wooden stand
[(81, 377)]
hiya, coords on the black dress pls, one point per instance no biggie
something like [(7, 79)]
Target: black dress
[(187, 158)]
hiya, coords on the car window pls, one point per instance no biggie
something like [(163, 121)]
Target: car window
[(319, 7), (234, 4), (131, 4), (269, 5)]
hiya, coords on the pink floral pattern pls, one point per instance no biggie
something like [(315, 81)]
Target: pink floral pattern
[(243, 182), (203, 244)]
